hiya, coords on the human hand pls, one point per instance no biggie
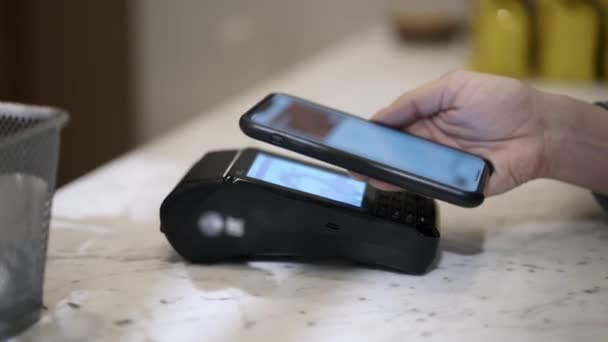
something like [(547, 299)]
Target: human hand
[(490, 116)]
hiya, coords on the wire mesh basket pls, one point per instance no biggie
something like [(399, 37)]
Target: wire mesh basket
[(29, 152)]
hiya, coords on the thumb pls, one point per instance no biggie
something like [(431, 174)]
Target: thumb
[(494, 185), (419, 103)]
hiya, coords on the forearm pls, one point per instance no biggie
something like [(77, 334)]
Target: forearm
[(576, 142)]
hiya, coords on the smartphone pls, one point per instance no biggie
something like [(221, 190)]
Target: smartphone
[(372, 149)]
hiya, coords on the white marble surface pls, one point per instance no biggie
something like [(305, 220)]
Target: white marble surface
[(530, 265)]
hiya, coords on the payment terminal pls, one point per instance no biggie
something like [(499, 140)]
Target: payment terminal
[(252, 204)]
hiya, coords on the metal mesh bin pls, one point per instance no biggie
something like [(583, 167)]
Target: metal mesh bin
[(29, 152)]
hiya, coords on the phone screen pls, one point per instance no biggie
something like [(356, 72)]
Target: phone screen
[(308, 179), (371, 141)]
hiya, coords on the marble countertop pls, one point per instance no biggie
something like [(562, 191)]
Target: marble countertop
[(526, 266)]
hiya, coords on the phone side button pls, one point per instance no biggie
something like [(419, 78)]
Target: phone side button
[(277, 138)]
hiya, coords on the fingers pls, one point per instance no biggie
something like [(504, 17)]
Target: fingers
[(497, 185), (358, 176), (499, 181), (384, 186), (375, 183), (424, 101)]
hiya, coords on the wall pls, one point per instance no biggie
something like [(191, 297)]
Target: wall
[(72, 54), (191, 54), (130, 70)]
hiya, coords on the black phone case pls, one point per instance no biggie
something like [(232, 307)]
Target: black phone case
[(363, 166)]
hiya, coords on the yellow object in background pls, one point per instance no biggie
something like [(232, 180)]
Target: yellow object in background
[(568, 39), (501, 37), (604, 17)]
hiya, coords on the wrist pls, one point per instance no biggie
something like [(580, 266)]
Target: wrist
[(575, 141), (553, 111)]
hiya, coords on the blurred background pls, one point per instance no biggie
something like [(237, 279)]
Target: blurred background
[(129, 71)]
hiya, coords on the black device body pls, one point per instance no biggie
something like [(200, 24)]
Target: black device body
[(415, 182), (217, 213)]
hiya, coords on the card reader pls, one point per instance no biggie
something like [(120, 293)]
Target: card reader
[(251, 204)]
